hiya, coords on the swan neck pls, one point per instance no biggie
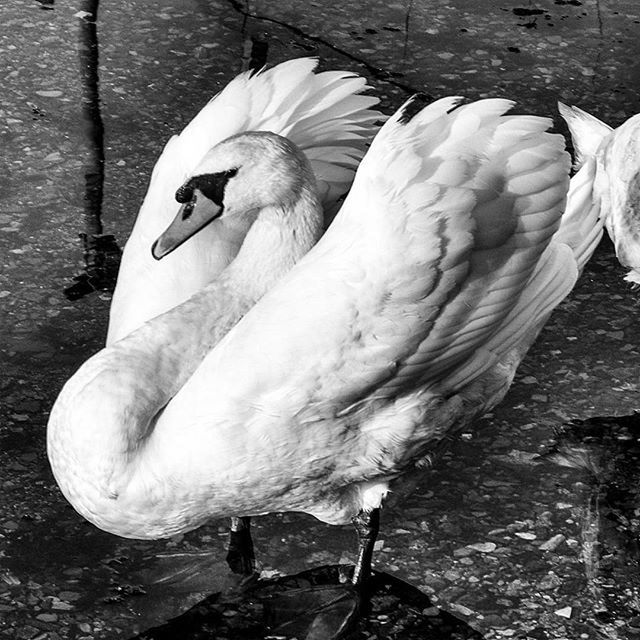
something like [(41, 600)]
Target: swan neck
[(102, 450), (102, 436), (279, 237)]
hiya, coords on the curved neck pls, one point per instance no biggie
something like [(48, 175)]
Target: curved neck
[(100, 435), (278, 238)]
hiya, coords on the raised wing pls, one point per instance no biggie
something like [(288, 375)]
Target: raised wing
[(500, 183), (444, 237), (322, 113)]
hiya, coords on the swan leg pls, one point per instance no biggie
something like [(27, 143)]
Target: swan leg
[(367, 525), (240, 556)]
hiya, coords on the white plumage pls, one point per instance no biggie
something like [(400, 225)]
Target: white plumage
[(404, 323), (322, 113), (615, 156)]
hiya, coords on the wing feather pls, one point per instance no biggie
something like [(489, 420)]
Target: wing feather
[(504, 246), (323, 113), (425, 278)]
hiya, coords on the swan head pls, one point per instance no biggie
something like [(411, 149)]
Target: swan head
[(240, 176)]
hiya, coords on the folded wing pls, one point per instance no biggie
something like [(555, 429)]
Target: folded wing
[(442, 257)]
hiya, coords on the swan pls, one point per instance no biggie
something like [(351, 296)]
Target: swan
[(322, 113), (616, 154), (405, 322), (329, 121)]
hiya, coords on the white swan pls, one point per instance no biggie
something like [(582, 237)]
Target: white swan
[(616, 186), (328, 120), (322, 113), (404, 323)]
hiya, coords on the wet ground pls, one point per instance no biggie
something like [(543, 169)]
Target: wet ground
[(521, 530)]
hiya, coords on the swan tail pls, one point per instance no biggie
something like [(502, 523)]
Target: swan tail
[(587, 132)]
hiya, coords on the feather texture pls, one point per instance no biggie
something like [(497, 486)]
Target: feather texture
[(614, 178), (405, 322), (324, 114)]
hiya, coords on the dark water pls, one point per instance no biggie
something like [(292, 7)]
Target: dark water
[(502, 533)]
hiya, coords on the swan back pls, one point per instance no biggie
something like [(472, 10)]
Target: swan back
[(322, 113)]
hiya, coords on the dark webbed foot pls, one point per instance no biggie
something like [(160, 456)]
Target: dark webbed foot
[(320, 612), (310, 611), (367, 525), (324, 611), (240, 555)]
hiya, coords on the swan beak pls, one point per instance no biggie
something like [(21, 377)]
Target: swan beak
[(191, 217)]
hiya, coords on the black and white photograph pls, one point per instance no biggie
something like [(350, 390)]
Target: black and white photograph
[(320, 320)]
